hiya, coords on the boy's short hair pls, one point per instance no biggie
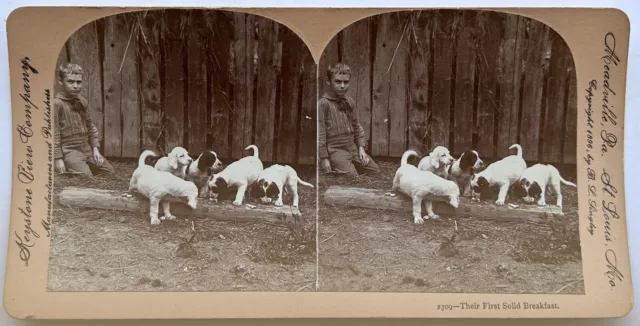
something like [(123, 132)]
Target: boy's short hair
[(69, 69), (338, 69)]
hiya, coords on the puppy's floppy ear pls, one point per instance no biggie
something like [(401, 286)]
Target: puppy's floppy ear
[(435, 162), (482, 182), (535, 190), (173, 160), (467, 160), (272, 190), (256, 189)]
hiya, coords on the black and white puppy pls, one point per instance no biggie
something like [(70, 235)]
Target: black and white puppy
[(534, 181), (463, 168), (240, 174), (502, 173), (200, 170), (418, 185), (272, 183)]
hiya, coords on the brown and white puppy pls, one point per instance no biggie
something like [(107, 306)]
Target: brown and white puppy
[(200, 170), (534, 181), (272, 183), (161, 187), (418, 185), (502, 174), (437, 162), (175, 162), (463, 168), (240, 174)]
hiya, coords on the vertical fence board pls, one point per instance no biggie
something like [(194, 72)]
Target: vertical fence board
[(533, 70), (62, 58), (149, 62), (330, 55), (443, 43), (398, 84), (387, 37), (489, 48), (197, 83), (511, 54), (308, 145), (174, 78), (553, 124), (356, 54), (242, 80), (571, 127), (130, 103), (419, 58), (83, 50), (219, 50), (292, 52), (464, 82), (115, 41), (266, 87)]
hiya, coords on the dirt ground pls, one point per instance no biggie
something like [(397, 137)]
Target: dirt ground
[(383, 251), (102, 250)]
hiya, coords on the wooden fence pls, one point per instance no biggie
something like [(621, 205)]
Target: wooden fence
[(202, 79), (462, 79)]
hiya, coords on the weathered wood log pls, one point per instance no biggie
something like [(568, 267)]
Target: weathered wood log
[(376, 199), (114, 200)]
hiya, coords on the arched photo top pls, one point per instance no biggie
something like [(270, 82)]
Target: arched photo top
[(197, 78)]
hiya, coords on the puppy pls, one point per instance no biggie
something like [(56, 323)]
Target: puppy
[(175, 162), (502, 174), (161, 187), (437, 162), (272, 182), (241, 174), (463, 168), (200, 170), (534, 181), (417, 184)]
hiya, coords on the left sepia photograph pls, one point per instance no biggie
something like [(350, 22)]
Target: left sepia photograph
[(184, 155)]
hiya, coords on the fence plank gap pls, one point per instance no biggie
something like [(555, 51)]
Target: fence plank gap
[(149, 62), (266, 87), (197, 82), (487, 65), (465, 82)]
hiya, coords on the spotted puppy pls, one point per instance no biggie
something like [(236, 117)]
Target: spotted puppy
[(502, 174), (534, 181), (418, 185), (160, 187), (272, 183), (240, 174), (463, 168), (200, 170), (437, 161)]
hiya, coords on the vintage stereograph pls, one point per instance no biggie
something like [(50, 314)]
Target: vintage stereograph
[(181, 163)]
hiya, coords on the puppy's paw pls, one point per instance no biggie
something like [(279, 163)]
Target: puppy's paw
[(418, 220), (295, 206), (432, 216), (529, 200), (168, 217), (279, 203), (237, 202), (155, 221), (265, 200), (499, 202), (541, 203)]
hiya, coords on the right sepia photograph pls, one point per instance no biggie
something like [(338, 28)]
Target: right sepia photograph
[(447, 156)]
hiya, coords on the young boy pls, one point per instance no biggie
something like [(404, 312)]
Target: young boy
[(341, 140), (76, 142)]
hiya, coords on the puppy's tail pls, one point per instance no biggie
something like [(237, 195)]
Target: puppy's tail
[(144, 156), (255, 149), (406, 155), (518, 148), (566, 182), (304, 183)]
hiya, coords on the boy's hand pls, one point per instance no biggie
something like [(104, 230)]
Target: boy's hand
[(97, 156), (59, 166), (325, 164), (363, 156)]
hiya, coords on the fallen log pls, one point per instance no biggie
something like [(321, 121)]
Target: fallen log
[(377, 200), (114, 200)]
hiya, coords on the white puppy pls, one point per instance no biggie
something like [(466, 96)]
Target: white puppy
[(176, 162), (200, 170), (502, 174), (463, 168), (438, 161), (534, 182), (272, 182), (161, 186), (240, 174), (417, 184)]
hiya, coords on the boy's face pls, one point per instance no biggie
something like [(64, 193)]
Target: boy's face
[(339, 83), (72, 84)]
